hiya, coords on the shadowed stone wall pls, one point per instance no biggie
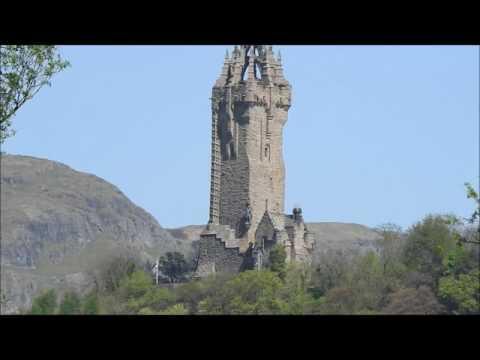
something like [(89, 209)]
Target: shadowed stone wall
[(215, 257)]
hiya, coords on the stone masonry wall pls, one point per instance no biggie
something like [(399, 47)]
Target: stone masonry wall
[(256, 172), (249, 112), (215, 257)]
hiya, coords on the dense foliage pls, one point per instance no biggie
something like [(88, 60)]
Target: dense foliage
[(174, 266), (24, 70), (424, 270)]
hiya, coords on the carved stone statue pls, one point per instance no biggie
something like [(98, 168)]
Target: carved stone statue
[(227, 130), (297, 215), (248, 215)]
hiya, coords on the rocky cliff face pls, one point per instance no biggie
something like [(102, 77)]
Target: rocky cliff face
[(57, 224)]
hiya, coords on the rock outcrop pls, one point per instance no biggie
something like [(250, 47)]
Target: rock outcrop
[(57, 224)]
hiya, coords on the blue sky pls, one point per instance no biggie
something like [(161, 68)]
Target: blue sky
[(375, 134)]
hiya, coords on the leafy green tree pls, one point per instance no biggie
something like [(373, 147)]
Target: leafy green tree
[(115, 270), (111, 303), (330, 272), (70, 304), (250, 292), (138, 294), (90, 304), (390, 247), (135, 286), (474, 237), (472, 194), (363, 287), (462, 293), (45, 303), (415, 279), (24, 70), (191, 294), (295, 292), (461, 259), (147, 311), (177, 309), (420, 301), (427, 245), (367, 281), (338, 300), (174, 266), (3, 302), (156, 299), (277, 260)]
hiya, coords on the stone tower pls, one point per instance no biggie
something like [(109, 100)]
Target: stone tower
[(250, 102)]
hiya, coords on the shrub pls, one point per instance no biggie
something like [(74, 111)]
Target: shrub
[(45, 304)]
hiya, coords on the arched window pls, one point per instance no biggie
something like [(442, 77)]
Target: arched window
[(258, 74), (245, 72)]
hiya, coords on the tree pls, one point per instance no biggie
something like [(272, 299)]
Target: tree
[(45, 303), (250, 292), (3, 302), (390, 246), (174, 266), (367, 281), (338, 300), (191, 294), (294, 293), (462, 293), (472, 194), (70, 304), (475, 217), (276, 260), (413, 301), (135, 286), (155, 299), (462, 259), (329, 273), (90, 304), (24, 70), (177, 309), (115, 270), (428, 244)]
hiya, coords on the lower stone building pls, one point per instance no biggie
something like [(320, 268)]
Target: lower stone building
[(221, 251)]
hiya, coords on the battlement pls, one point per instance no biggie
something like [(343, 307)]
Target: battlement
[(252, 63)]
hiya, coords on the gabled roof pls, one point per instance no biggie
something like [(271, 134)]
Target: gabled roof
[(276, 219)]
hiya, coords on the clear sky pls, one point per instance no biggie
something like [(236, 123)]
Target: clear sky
[(375, 134)]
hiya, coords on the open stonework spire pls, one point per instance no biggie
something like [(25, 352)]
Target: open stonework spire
[(237, 67), (250, 103)]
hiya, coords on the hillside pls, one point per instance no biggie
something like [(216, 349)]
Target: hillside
[(57, 224)]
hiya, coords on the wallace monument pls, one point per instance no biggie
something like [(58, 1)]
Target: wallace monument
[(250, 103)]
